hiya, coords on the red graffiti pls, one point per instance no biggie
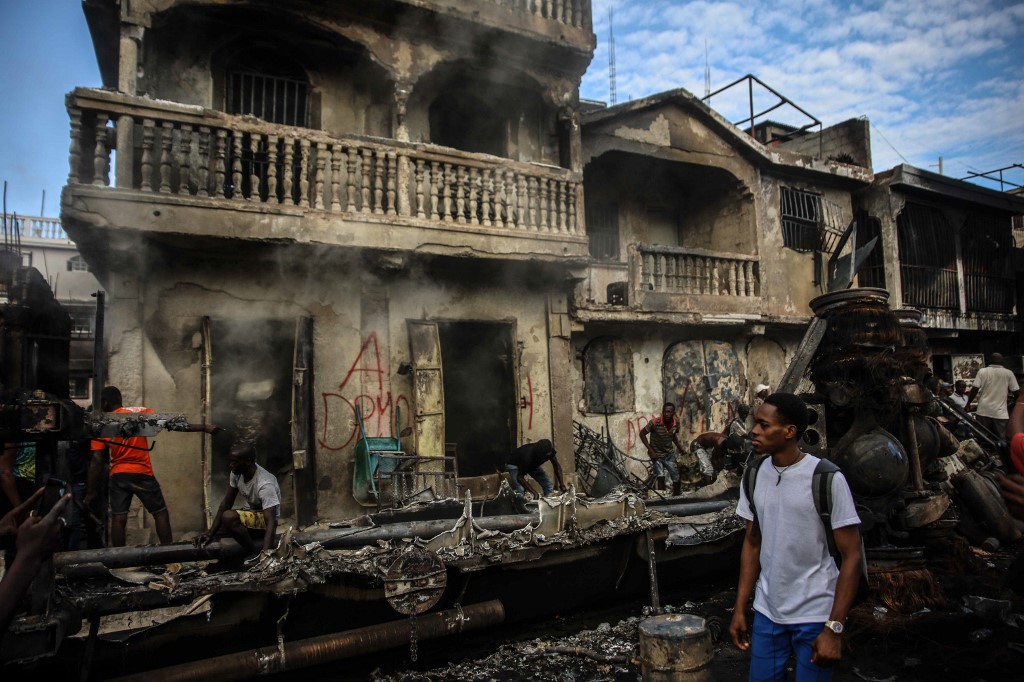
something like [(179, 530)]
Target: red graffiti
[(376, 408), (633, 428)]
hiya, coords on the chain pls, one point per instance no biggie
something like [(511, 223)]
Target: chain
[(414, 645)]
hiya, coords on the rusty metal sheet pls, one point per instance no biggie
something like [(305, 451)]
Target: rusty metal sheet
[(704, 379), (415, 581), (427, 386)]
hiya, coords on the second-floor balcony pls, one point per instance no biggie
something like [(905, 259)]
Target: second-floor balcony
[(319, 187)]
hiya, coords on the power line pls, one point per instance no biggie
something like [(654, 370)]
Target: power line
[(880, 134)]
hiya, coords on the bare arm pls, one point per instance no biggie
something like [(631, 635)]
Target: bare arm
[(523, 481), (750, 568), (270, 517), (827, 647), (97, 470), (643, 439), (558, 471)]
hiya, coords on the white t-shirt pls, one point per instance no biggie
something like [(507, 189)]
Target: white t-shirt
[(797, 583), (994, 384), (960, 400), (259, 492)]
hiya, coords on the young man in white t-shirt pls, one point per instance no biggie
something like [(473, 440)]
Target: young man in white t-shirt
[(261, 496), (801, 599)]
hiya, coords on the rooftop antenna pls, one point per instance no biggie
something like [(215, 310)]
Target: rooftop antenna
[(611, 55), (707, 71)]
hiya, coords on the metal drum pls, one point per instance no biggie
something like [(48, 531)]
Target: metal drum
[(675, 647)]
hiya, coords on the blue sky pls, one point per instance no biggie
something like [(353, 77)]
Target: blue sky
[(934, 77)]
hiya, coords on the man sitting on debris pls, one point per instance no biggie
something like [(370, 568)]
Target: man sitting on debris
[(131, 473), (529, 459), (802, 599), (261, 496), (664, 434), (959, 394)]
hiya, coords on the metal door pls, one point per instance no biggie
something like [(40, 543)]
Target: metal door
[(427, 387)]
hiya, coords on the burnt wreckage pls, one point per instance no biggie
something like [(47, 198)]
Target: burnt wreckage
[(433, 565)]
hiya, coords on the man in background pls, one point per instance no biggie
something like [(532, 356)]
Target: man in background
[(992, 386)]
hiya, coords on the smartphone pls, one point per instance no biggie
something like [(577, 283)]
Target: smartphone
[(55, 489)]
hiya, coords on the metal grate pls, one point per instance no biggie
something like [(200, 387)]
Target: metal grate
[(927, 244), (801, 219), (272, 98)]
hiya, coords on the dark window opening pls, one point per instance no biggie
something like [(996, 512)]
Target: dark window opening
[(801, 219), (988, 270), (78, 388), (872, 272), (77, 264), (608, 376), (927, 245), (82, 324), (461, 120), (480, 409), (270, 87), (603, 230)]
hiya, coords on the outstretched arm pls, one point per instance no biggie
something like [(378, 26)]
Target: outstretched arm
[(558, 471), (227, 503)]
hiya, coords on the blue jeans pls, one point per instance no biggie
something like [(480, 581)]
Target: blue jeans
[(771, 645), (537, 474), (667, 467)]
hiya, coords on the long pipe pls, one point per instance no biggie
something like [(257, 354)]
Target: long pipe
[(268, 660), (120, 557), (692, 508)]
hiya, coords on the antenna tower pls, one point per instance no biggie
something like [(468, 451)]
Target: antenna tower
[(611, 56)]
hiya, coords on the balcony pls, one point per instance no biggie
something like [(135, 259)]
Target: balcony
[(308, 186)]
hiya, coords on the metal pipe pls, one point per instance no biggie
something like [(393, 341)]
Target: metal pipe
[(692, 508), (915, 454), (652, 573), (120, 557), (287, 656)]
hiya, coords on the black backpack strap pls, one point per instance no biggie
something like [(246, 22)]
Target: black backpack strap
[(821, 489), (749, 480)]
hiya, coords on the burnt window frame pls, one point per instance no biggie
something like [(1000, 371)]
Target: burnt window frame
[(927, 245), (603, 224), (986, 246), (872, 272), (801, 215), (264, 67), (596, 383)]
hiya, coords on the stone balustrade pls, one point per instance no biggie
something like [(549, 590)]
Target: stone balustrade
[(186, 151), (676, 270), (37, 227), (570, 12)]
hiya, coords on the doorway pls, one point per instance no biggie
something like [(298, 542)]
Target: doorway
[(480, 411)]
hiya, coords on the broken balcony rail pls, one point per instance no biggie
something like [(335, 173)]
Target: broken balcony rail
[(189, 151), (680, 270)]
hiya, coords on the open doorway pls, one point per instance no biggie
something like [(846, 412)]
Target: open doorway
[(251, 397), (479, 360)]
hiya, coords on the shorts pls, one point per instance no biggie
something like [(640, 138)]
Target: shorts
[(142, 486), (252, 519)]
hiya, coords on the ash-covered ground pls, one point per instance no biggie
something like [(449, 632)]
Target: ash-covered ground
[(976, 634)]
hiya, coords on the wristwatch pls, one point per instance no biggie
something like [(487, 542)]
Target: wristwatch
[(835, 626)]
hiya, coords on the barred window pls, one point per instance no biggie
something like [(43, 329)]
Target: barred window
[(268, 87), (801, 219), (77, 264), (608, 375)]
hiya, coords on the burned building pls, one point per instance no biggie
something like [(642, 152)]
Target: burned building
[(313, 219), (948, 249), (706, 247)]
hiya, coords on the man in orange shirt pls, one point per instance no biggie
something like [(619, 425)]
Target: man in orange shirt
[(131, 473)]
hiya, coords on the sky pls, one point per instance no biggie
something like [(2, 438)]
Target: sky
[(936, 78)]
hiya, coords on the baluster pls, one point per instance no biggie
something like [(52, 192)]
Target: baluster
[(449, 180), (185, 160), (319, 148), (99, 157), (236, 165), (75, 146), (545, 8), (272, 170), (460, 201), (556, 10), (577, 13), (563, 199), (365, 168), (751, 279), (289, 171), (571, 190), (378, 182), (702, 276), (740, 276), (418, 180), (715, 279), (531, 203), (146, 182), (733, 281), (336, 178), (544, 198), (435, 183), (392, 182), (254, 166), (166, 135), (351, 179), (304, 173), (488, 199), (511, 200), (219, 168), (523, 211), (203, 170), (475, 184), (500, 199)]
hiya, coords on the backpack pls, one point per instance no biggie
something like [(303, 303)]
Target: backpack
[(821, 493)]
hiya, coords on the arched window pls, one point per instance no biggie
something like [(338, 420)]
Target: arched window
[(608, 375), (77, 264), (264, 84)]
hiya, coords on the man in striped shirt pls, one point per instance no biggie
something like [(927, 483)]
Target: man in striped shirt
[(659, 436)]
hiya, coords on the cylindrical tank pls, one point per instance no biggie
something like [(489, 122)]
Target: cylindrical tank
[(874, 464), (675, 647)]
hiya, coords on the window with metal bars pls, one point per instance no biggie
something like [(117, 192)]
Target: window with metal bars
[(986, 245), (801, 219), (603, 230), (927, 245), (273, 98)]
